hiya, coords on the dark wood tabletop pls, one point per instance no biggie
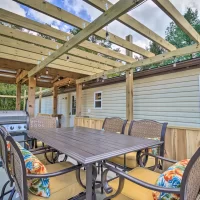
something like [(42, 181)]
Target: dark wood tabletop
[(90, 145)]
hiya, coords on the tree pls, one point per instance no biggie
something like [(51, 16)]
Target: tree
[(176, 36), (155, 48)]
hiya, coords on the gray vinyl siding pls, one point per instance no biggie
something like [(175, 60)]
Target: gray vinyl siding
[(113, 101), (172, 98), (47, 105)]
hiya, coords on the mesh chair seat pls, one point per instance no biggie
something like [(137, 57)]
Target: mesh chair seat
[(131, 160), (62, 187)]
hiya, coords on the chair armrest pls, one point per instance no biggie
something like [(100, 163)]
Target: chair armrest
[(53, 174), (142, 183), (160, 157), (23, 141)]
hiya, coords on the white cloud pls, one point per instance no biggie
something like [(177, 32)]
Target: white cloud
[(42, 18), (12, 7), (79, 5)]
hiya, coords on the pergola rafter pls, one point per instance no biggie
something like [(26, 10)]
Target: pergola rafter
[(66, 58), (114, 12), (64, 16), (159, 58), (26, 37), (132, 23), (176, 16)]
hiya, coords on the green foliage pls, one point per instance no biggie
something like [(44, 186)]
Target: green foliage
[(176, 36), (9, 90), (155, 48)]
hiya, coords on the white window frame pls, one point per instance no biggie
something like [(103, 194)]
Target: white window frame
[(98, 100)]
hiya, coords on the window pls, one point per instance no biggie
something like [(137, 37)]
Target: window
[(98, 100)]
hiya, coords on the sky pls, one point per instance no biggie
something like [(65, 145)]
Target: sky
[(147, 13)]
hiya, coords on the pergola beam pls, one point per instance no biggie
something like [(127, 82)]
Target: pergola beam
[(159, 58), (132, 23), (5, 41), (63, 82), (76, 55), (62, 15), (176, 16), (114, 12), (73, 67), (12, 18), (22, 75)]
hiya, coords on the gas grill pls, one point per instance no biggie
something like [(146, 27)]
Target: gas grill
[(15, 122)]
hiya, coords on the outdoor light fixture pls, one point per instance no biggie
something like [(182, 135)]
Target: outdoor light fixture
[(67, 58), (107, 36), (34, 77), (49, 53), (194, 55), (174, 65), (47, 72), (138, 69)]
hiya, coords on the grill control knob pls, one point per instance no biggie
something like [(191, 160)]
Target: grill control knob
[(12, 128), (19, 127), (25, 127)]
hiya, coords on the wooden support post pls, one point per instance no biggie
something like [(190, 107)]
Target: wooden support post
[(24, 108), (55, 100), (78, 99), (31, 96), (18, 96), (129, 86), (40, 100)]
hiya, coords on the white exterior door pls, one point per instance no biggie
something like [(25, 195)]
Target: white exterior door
[(63, 108)]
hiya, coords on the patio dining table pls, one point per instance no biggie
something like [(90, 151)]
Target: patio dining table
[(88, 146)]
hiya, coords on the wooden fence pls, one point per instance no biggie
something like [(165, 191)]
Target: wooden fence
[(180, 142)]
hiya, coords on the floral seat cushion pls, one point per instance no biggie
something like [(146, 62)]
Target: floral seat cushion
[(37, 186), (171, 178)]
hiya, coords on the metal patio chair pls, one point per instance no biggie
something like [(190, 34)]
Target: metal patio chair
[(64, 180), (140, 182), (148, 129), (114, 125), (4, 161), (45, 122)]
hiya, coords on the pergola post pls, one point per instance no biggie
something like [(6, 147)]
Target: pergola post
[(18, 96), (78, 99), (31, 96), (55, 100), (40, 100), (129, 86)]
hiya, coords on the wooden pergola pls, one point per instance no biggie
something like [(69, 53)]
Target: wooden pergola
[(37, 61)]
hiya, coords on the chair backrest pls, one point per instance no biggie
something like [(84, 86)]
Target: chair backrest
[(18, 169), (43, 122), (149, 129), (114, 125), (4, 152), (190, 185)]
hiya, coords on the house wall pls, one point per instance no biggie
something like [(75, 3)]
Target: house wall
[(47, 107), (173, 98), (113, 101)]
